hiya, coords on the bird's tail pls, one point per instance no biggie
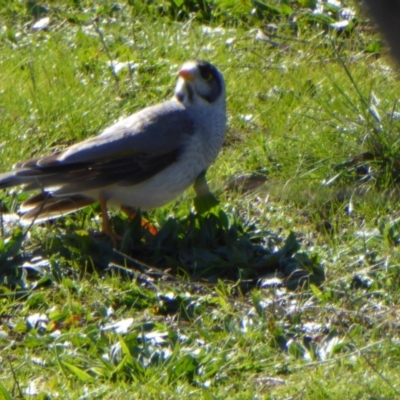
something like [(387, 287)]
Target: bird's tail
[(43, 206), (9, 179)]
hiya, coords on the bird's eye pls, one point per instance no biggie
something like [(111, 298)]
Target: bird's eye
[(206, 75)]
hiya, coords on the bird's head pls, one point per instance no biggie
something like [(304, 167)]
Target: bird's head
[(199, 83)]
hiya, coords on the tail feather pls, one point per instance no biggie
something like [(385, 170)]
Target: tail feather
[(9, 179), (43, 206)]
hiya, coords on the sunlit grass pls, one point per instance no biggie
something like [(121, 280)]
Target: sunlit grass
[(302, 107)]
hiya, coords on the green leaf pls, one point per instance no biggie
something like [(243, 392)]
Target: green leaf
[(296, 350), (266, 7), (318, 18), (205, 203), (291, 246), (78, 372), (374, 47), (286, 9), (20, 327), (308, 3), (4, 394), (10, 247), (317, 293), (207, 395)]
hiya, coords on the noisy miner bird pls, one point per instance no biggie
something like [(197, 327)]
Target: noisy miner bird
[(141, 162)]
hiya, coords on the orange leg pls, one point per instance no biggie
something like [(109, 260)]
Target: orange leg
[(106, 226), (146, 224)]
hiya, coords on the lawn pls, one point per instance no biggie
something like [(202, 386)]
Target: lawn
[(288, 288)]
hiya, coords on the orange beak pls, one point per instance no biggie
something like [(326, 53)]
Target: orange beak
[(186, 75)]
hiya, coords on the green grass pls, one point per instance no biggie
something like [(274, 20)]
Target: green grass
[(195, 312)]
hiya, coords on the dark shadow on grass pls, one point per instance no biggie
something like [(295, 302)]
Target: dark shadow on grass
[(197, 249)]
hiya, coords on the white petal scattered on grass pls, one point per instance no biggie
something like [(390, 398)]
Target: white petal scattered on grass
[(395, 115), (367, 233), (90, 30), (36, 320), (340, 24), (247, 117), (115, 354), (347, 13), (208, 48), (374, 112), (41, 24), (319, 9), (312, 327), (327, 347), (375, 99), (271, 282), (156, 337), (37, 264), (31, 390), (118, 66), (169, 296), (120, 327), (3, 335), (245, 322), (270, 381), (110, 312), (38, 361), (261, 36), (207, 30), (55, 334)]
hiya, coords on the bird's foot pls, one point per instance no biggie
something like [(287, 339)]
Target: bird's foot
[(131, 213)]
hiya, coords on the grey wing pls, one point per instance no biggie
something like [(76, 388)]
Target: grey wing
[(129, 152), (156, 129)]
